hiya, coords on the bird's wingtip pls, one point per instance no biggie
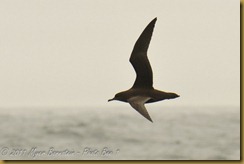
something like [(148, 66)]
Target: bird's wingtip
[(154, 20), (149, 118)]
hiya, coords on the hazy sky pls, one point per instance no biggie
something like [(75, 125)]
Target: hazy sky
[(76, 52)]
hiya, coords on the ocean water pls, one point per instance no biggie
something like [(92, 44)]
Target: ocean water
[(99, 133)]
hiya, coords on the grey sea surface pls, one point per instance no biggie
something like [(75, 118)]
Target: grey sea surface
[(100, 133)]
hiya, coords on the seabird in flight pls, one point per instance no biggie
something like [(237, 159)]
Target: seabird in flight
[(142, 91)]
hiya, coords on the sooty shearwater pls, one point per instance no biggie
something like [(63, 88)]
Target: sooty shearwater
[(142, 91)]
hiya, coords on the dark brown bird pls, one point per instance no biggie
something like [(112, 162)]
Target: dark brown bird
[(142, 91)]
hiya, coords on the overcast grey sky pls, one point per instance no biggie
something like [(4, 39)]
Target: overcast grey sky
[(76, 52)]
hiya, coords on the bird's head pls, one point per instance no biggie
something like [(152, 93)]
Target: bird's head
[(118, 96)]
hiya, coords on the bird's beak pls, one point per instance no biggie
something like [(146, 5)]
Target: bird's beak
[(110, 99)]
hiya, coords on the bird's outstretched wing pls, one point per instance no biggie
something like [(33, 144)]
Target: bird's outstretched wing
[(138, 104), (139, 60)]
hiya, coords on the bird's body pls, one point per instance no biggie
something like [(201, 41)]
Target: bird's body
[(154, 94), (142, 91)]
